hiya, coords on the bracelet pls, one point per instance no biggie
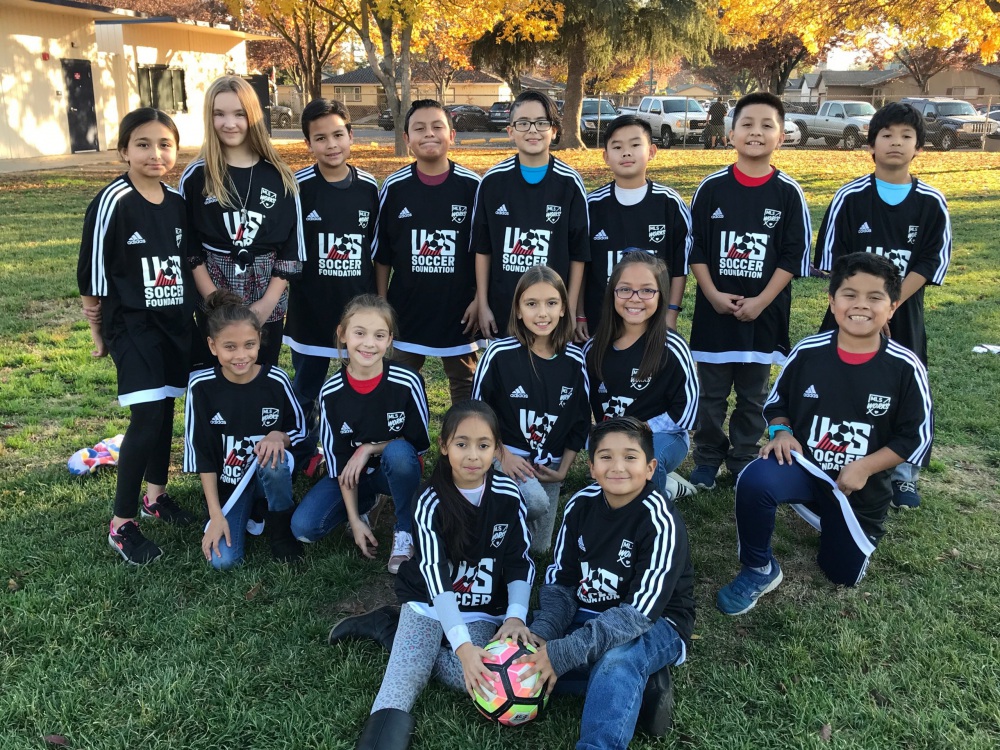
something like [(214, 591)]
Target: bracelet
[(581, 320), (675, 308), (774, 429)]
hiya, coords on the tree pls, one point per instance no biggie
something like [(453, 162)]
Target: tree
[(514, 44), (729, 70), (923, 62)]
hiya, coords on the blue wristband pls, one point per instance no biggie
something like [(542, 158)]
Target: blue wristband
[(774, 429)]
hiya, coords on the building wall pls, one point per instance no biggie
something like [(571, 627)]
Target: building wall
[(942, 82), (364, 99)]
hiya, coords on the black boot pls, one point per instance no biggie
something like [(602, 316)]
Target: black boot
[(379, 625), (656, 715), (386, 729), (284, 546)]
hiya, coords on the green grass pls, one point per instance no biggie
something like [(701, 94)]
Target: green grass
[(177, 656)]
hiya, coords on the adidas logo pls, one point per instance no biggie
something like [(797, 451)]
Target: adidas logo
[(211, 199), (405, 213), (345, 429), (519, 392), (718, 214), (136, 239), (810, 392), (313, 216), (602, 389), (602, 235), (865, 229), (502, 211), (217, 419)]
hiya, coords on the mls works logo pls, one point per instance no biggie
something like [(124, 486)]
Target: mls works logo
[(178, 235), (771, 218), (499, 532), (268, 198), (523, 249), (911, 233), (395, 420), (625, 554), (615, 407), (433, 250), (597, 584), (269, 416), (473, 584), (836, 444), (552, 213), (638, 385), (565, 394), (363, 219), (458, 213), (163, 284), (657, 233), (339, 254), (878, 406)]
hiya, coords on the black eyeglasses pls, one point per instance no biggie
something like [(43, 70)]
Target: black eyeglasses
[(523, 126), (623, 292)]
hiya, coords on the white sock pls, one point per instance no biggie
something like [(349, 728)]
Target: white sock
[(766, 570)]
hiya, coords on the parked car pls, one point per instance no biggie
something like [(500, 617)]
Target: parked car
[(468, 117), (499, 116), (595, 117), (385, 120), (673, 119), (836, 121), (281, 116), (793, 136), (952, 122)]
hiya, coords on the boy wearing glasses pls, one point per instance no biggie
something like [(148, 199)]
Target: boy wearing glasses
[(751, 234), (531, 209)]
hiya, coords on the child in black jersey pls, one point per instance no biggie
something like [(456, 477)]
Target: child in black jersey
[(751, 234), (531, 209), (618, 599), (425, 219), (240, 419), (243, 210), (638, 367), (893, 214), (536, 382), (632, 212), (339, 206), (848, 406), (373, 424), (138, 296), (470, 576)]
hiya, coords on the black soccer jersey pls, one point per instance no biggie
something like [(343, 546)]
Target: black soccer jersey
[(915, 235), (499, 552), (636, 555), (397, 408), (270, 230), (224, 421), (744, 234), (541, 403), (841, 412), (522, 225), (423, 234), (659, 223), (668, 401), (339, 228)]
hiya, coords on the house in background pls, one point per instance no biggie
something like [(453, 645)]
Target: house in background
[(802, 90), (69, 72), (979, 84)]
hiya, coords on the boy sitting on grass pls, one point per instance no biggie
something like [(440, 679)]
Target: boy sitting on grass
[(618, 601), (848, 407), (893, 214)]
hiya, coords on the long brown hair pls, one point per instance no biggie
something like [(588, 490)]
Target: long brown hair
[(612, 326), (212, 152), (360, 303), (562, 331)]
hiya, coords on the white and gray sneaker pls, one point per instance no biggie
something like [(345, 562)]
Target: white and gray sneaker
[(679, 487), (402, 550)]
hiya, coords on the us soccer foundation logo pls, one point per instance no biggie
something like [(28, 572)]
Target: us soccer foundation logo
[(163, 284), (836, 444), (238, 454), (597, 585), (242, 233), (340, 255), (536, 427), (742, 254), (433, 250), (899, 258), (615, 407), (523, 249), (473, 584)]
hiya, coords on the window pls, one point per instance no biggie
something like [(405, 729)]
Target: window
[(163, 88), (966, 91), (347, 93)]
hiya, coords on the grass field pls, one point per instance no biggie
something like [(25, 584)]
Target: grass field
[(176, 656)]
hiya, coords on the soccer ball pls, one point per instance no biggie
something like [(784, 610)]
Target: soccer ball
[(516, 702)]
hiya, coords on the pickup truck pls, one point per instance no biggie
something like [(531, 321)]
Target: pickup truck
[(836, 121), (952, 122), (673, 119)]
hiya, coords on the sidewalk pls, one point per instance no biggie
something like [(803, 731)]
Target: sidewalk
[(92, 160)]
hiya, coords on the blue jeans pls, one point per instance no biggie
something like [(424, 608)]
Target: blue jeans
[(615, 684), (322, 509), (670, 448), (310, 372), (272, 484)]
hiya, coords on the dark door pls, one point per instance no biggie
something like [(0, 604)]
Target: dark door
[(80, 106), (261, 88)]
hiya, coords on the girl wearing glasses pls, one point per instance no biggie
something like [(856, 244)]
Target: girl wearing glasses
[(638, 367)]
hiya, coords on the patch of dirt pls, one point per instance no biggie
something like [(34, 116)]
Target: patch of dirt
[(369, 596)]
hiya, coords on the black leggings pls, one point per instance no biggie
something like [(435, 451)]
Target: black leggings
[(145, 451)]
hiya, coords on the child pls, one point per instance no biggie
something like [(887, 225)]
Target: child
[(633, 212), (531, 209), (373, 423), (240, 419), (471, 574), (640, 367), (848, 406), (536, 382), (424, 227), (244, 213), (895, 215), (137, 296), (751, 238), (340, 203), (618, 600)]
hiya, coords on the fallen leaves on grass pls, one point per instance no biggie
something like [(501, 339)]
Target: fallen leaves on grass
[(952, 554), (825, 732), (252, 593), (57, 740)]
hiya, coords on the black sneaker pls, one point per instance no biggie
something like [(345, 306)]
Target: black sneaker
[(656, 714), (166, 510), (129, 542), (379, 625)]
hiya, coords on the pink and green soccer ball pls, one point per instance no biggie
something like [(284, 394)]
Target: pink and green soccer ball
[(516, 702)]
